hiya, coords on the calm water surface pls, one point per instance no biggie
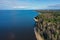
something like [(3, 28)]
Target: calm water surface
[(17, 24)]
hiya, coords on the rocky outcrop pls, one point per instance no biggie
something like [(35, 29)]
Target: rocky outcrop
[(47, 26)]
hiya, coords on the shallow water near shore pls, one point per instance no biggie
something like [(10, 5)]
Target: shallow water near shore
[(18, 23)]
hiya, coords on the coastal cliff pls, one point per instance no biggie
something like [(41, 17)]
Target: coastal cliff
[(47, 25)]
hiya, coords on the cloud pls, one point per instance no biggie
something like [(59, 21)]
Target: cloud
[(14, 4), (54, 6), (20, 7), (27, 4)]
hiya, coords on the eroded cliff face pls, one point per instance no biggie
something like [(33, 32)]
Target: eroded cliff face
[(48, 26)]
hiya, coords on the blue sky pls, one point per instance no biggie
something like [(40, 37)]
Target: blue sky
[(29, 4)]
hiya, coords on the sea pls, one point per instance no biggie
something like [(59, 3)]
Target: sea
[(17, 24)]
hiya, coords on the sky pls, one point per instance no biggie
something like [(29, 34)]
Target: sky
[(29, 4)]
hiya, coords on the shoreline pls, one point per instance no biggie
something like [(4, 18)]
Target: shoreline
[(38, 37)]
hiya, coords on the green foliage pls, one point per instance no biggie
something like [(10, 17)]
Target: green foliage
[(55, 19), (56, 14), (58, 18)]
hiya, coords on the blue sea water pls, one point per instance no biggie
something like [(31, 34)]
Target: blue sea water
[(18, 23)]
